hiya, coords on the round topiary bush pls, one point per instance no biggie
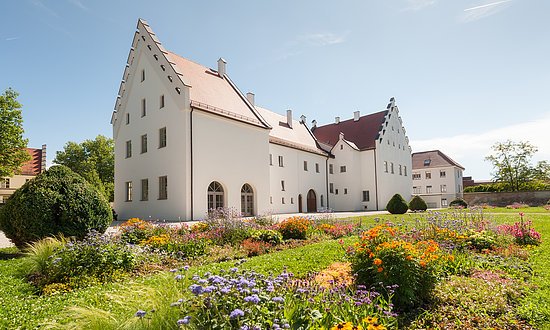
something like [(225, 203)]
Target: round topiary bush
[(397, 205), (417, 204), (459, 202), (58, 201)]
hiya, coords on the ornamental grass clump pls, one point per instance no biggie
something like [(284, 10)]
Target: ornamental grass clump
[(383, 258), (295, 228), (237, 299)]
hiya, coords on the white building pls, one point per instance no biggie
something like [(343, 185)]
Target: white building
[(187, 140), (30, 169), (436, 178)]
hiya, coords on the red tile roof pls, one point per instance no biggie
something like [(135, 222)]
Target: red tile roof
[(33, 166), (436, 157), (363, 133)]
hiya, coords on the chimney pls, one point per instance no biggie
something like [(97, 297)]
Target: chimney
[(289, 118), (302, 119), (250, 98), (221, 67), (337, 120), (314, 123), (43, 160), (356, 115)]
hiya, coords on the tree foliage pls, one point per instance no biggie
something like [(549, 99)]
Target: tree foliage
[(397, 205), (92, 159), (417, 204), (12, 143), (512, 163), (58, 201)]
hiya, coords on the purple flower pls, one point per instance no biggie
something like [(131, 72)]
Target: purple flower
[(185, 320), (209, 288), (234, 269), (186, 267), (253, 299), (236, 313), (178, 277), (173, 270), (196, 289), (278, 299), (140, 313)]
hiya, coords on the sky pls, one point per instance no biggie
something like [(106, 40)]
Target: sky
[(465, 73)]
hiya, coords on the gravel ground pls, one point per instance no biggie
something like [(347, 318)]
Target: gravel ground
[(4, 242)]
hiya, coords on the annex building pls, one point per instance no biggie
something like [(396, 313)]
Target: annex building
[(30, 169), (187, 140)]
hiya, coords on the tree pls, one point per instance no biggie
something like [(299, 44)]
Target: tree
[(12, 143), (512, 163), (94, 160), (542, 171)]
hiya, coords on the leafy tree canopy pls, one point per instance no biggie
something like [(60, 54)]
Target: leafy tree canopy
[(12, 143), (92, 159)]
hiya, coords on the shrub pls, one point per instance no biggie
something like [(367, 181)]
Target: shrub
[(459, 202), (135, 230), (294, 227), (56, 202), (230, 228), (336, 230), (417, 204), (254, 247), (397, 205), (267, 235), (383, 259), (178, 246)]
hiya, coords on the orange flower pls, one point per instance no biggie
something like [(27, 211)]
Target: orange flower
[(377, 261), (380, 269), (371, 255), (409, 257), (422, 263)]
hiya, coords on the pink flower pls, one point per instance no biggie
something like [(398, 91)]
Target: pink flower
[(521, 214)]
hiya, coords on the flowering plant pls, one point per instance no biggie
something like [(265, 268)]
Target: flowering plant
[(522, 231), (295, 227)]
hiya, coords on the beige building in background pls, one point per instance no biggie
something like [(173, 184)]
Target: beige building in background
[(436, 178), (35, 166)]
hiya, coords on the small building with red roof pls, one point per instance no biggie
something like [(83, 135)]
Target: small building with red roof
[(30, 169)]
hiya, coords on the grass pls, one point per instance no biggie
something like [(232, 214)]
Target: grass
[(113, 305)]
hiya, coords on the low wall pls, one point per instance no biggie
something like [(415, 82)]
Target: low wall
[(532, 198)]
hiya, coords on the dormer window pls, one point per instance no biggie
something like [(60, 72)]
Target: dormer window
[(427, 162)]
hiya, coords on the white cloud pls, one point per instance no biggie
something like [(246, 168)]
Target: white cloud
[(470, 149), (11, 39), (323, 39), (419, 4), (483, 10)]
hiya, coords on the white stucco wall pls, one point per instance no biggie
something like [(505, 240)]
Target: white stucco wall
[(350, 180)]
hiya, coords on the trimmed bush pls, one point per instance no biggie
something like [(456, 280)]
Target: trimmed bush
[(459, 202), (397, 205), (417, 204), (56, 202)]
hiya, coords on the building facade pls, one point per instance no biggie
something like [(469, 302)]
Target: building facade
[(188, 141), (35, 166), (436, 178)]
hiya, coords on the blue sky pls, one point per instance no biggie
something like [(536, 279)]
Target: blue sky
[(465, 73)]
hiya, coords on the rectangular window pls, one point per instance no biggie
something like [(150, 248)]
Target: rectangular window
[(305, 165), (405, 170), (291, 200), (428, 175), (331, 188), (444, 202), (322, 201), (161, 102), (128, 149), (127, 119), (391, 167), (366, 196), (330, 168), (270, 159), (345, 191), (5, 183), (442, 174), (342, 169), (428, 189), (163, 187), (316, 167), (386, 166), (400, 170), (129, 191), (143, 107), (283, 200), (282, 185), (281, 163), (145, 189), (443, 188), (270, 199), (336, 191), (162, 137), (417, 190), (143, 75), (144, 143), (1, 199)]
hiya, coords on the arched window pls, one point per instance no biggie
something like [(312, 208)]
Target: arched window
[(215, 196), (247, 200)]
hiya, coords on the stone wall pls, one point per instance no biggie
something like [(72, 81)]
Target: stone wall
[(533, 198)]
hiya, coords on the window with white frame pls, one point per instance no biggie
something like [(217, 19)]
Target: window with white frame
[(144, 189), (162, 137), (386, 166), (128, 191), (215, 196), (128, 149), (330, 169), (343, 169), (144, 143), (444, 202), (331, 188), (345, 191), (416, 176), (163, 187), (281, 162), (428, 189), (442, 174), (366, 196), (443, 188), (428, 175), (5, 183), (417, 190)]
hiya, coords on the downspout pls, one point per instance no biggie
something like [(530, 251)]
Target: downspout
[(326, 181), (191, 142), (376, 180)]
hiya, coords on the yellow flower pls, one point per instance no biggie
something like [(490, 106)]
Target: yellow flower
[(343, 326), (370, 319)]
